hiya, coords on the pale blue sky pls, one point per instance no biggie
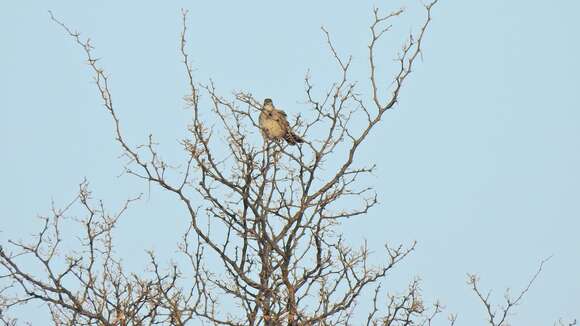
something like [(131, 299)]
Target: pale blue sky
[(479, 163)]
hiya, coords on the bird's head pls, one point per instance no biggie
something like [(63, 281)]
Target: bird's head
[(268, 101)]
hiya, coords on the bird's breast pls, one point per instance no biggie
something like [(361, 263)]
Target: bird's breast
[(273, 127)]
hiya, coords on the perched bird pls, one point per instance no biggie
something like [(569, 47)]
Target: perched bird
[(275, 126)]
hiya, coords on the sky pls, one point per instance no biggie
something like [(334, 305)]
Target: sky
[(478, 163)]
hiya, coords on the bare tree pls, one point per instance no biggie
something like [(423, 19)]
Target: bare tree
[(498, 315), (266, 211)]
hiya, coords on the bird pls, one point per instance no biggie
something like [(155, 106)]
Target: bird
[(275, 126)]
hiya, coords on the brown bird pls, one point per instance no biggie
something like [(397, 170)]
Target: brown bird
[(275, 126)]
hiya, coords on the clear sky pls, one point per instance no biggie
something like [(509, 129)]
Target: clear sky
[(480, 162)]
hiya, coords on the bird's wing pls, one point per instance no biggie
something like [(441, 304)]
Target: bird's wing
[(280, 116)]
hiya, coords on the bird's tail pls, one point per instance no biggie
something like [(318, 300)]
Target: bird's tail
[(293, 138)]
